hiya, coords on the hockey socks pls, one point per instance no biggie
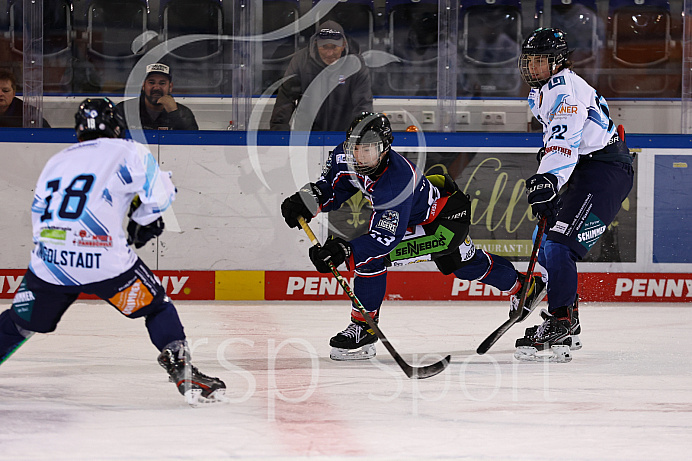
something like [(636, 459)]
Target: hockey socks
[(12, 337), (490, 269), (164, 325)]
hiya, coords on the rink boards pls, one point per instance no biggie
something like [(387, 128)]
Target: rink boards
[(225, 238), (401, 286)]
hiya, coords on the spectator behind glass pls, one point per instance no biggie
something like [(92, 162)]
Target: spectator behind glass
[(321, 60), (157, 108), (11, 107)]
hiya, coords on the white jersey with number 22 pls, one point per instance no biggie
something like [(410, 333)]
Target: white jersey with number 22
[(576, 121)]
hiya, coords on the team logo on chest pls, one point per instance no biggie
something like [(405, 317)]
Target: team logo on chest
[(389, 221)]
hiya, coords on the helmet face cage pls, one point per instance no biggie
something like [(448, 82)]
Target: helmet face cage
[(543, 54), (537, 69), (367, 141), (98, 118), (364, 157)]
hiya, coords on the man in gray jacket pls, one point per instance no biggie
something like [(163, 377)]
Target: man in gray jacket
[(326, 84)]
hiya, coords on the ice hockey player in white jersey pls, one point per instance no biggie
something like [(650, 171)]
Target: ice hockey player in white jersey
[(584, 151), (81, 199)]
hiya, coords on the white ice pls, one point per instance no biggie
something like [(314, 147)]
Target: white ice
[(93, 390)]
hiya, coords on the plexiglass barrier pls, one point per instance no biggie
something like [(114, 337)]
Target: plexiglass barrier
[(427, 60)]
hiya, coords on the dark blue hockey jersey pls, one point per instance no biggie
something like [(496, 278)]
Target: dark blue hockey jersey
[(401, 198)]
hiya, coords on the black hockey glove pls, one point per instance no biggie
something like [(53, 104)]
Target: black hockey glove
[(139, 235), (540, 154), (336, 250), (542, 193), (306, 203)]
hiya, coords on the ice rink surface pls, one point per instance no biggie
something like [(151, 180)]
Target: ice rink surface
[(93, 390)]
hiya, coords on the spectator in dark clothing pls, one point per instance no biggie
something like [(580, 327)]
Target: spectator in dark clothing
[(11, 107), (157, 108), (341, 85)]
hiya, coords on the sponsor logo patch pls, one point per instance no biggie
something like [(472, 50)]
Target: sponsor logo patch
[(565, 109), (560, 150), (53, 233), (84, 239), (560, 227), (591, 231), (132, 298), (389, 221)]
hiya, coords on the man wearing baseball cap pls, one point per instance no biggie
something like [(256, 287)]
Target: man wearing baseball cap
[(338, 95), (158, 110)]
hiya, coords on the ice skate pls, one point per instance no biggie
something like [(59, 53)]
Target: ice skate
[(356, 342), (195, 386), (551, 341), (535, 293)]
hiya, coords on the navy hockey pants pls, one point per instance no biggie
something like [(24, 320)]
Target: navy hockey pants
[(594, 195), (38, 306)]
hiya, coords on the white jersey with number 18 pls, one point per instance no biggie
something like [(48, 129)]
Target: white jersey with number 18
[(81, 200)]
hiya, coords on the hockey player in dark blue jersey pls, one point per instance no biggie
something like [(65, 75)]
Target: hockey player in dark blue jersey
[(415, 218)]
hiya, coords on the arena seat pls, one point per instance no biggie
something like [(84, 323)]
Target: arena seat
[(197, 67), (276, 54), (58, 20), (412, 37), (5, 54), (640, 61), (111, 27), (490, 44), (579, 20)]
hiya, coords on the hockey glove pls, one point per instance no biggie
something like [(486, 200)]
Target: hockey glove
[(139, 235), (306, 203), (540, 154), (542, 194), (335, 250)]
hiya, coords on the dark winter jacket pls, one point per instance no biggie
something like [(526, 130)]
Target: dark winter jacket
[(14, 115), (181, 119), (338, 107)]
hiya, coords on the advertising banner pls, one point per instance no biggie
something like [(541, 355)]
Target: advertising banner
[(183, 285), (433, 286), (401, 286)]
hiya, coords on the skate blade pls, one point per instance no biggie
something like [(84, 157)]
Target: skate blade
[(556, 354), (364, 353), (194, 398)]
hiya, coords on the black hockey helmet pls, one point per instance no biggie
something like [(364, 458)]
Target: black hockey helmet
[(546, 43), (98, 118), (372, 131)]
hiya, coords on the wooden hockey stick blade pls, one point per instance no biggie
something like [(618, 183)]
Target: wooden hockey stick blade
[(514, 318), (410, 371)]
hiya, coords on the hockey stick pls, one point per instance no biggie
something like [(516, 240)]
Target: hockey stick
[(514, 318), (412, 372)]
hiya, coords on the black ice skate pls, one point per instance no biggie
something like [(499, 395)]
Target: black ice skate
[(535, 293), (558, 334), (356, 342), (195, 386)]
